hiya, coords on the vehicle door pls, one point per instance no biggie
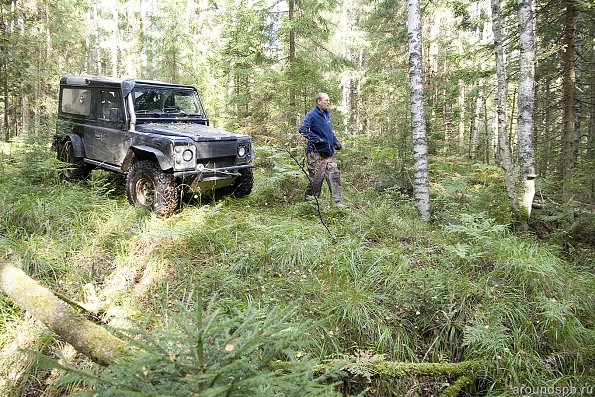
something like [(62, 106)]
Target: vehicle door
[(109, 135)]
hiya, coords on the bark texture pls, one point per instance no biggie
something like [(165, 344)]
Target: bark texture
[(569, 88), (525, 106), (500, 99), (418, 120), (85, 336)]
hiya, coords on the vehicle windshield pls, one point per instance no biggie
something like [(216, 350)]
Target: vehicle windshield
[(166, 102)]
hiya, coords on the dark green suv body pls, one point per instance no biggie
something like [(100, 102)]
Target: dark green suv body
[(155, 133)]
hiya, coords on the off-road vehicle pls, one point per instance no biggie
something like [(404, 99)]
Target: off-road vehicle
[(156, 134)]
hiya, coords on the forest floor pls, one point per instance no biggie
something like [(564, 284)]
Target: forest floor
[(372, 278)]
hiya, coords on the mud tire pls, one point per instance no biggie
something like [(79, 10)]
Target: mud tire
[(243, 184), (148, 186), (78, 170)]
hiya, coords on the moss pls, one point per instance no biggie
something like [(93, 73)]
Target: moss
[(85, 336), (399, 370), (454, 389)]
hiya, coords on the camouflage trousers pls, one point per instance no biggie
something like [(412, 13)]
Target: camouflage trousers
[(320, 169)]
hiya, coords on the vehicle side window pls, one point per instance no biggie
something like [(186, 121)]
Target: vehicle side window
[(108, 100), (76, 101)]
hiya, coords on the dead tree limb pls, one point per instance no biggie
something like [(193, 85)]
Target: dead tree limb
[(465, 372), (85, 336)]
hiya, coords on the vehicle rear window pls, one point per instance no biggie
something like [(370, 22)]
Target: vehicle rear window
[(76, 101)]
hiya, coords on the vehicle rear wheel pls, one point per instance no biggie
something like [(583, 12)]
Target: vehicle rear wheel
[(148, 186), (78, 170)]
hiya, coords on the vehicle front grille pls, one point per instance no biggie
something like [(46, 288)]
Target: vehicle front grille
[(219, 162), (216, 149)]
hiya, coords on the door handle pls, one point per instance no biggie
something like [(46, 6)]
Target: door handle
[(98, 136)]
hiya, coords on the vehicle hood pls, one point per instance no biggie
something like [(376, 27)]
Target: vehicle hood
[(196, 132)]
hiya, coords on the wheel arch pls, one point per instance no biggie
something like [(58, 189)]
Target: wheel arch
[(140, 152), (78, 149)]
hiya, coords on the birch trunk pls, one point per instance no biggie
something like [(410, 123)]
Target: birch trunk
[(418, 122), (525, 107), (85, 336), (500, 99)]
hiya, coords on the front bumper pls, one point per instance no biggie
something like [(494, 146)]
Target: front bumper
[(217, 173)]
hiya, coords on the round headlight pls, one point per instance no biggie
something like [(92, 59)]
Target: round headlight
[(242, 151), (187, 155)]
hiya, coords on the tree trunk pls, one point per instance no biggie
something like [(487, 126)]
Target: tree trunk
[(462, 99), (418, 122), (525, 107), (85, 336), (578, 64), (500, 100), (114, 44), (546, 140), (99, 69), (4, 77), (569, 88), (511, 137), (475, 128), (293, 114), (24, 111), (591, 125), (488, 135), (4, 52)]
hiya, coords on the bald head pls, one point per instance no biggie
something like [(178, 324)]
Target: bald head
[(323, 101)]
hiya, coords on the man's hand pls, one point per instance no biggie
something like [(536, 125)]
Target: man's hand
[(338, 146)]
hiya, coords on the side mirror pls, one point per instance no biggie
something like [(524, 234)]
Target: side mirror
[(114, 115)]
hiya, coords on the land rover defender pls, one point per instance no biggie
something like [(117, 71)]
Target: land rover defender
[(156, 134)]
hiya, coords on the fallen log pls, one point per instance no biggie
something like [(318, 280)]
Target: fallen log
[(85, 336), (465, 372), (105, 348)]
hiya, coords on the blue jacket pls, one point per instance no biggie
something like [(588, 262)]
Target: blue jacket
[(316, 126)]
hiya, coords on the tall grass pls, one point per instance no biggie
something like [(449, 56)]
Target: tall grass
[(463, 286)]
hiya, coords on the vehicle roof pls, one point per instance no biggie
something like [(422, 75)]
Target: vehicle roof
[(113, 81)]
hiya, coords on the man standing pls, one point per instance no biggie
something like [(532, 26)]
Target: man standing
[(320, 149)]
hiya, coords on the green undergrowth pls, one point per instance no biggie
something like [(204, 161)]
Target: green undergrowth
[(379, 281)]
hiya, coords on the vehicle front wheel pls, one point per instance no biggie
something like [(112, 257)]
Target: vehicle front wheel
[(243, 184), (78, 170), (148, 186)]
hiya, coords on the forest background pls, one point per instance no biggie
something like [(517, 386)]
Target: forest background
[(258, 66)]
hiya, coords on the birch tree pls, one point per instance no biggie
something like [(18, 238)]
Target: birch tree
[(418, 122), (525, 106), (500, 99)]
